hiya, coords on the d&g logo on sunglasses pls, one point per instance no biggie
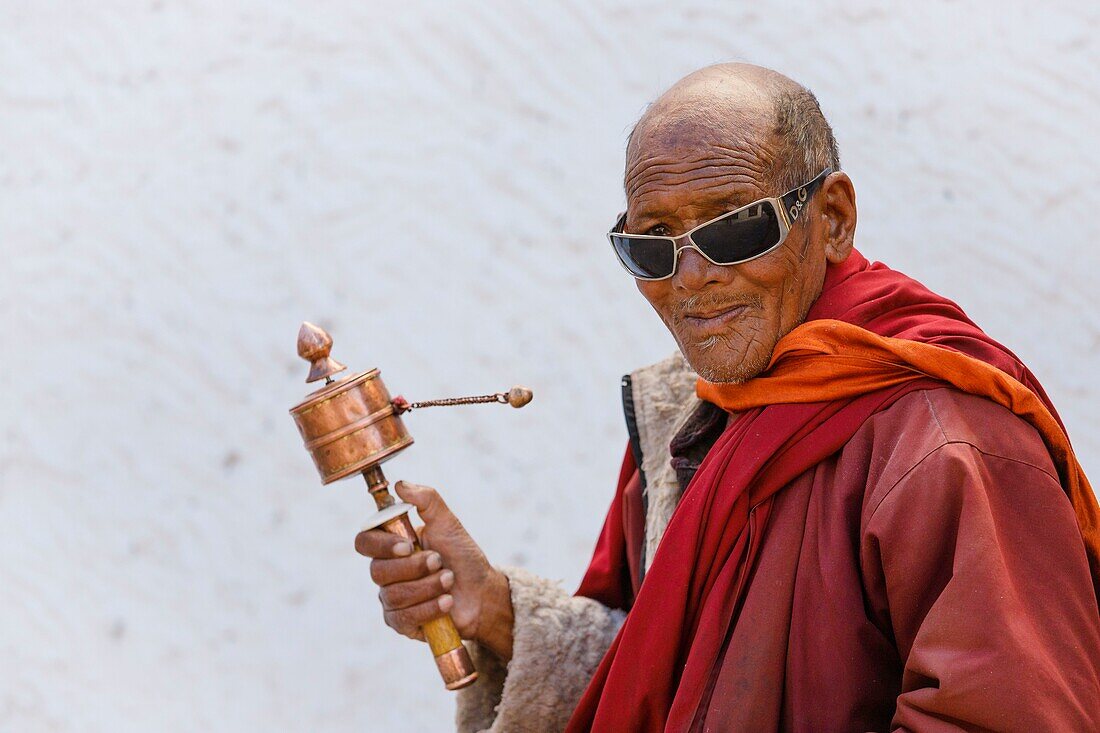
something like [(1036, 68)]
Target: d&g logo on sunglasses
[(796, 209)]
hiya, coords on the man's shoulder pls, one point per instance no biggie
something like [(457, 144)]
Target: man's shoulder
[(673, 367), (662, 392), (934, 421)]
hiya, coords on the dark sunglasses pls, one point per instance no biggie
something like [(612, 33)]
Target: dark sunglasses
[(730, 239)]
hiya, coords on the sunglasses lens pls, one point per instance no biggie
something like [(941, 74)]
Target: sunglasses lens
[(645, 257), (741, 236)]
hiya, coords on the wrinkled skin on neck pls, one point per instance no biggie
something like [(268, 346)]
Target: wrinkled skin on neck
[(686, 165)]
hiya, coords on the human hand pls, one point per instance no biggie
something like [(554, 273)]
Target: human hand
[(452, 575)]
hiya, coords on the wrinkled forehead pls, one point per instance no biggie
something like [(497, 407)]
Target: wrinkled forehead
[(704, 148)]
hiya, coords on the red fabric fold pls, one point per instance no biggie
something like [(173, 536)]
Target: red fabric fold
[(654, 674)]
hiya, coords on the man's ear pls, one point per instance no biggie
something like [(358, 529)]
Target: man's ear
[(838, 215)]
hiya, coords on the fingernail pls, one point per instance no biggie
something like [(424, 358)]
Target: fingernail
[(447, 579), (435, 562), (402, 548), (445, 603)]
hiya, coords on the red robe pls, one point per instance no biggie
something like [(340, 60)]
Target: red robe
[(688, 647)]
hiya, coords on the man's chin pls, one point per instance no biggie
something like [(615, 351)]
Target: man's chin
[(717, 364)]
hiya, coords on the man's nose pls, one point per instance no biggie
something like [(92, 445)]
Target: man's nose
[(695, 272)]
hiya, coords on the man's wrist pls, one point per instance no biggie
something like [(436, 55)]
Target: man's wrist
[(497, 617)]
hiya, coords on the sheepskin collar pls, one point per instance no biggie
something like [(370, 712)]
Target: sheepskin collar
[(661, 398)]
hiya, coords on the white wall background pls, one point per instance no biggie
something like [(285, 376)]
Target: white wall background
[(181, 183)]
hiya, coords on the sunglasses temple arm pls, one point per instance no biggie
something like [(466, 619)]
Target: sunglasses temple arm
[(794, 200)]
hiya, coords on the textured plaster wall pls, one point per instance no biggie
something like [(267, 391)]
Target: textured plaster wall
[(181, 183)]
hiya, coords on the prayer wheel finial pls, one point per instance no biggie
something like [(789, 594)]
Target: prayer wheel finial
[(314, 345)]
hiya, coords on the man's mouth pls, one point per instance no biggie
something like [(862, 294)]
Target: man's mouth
[(714, 320)]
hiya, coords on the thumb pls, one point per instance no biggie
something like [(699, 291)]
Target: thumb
[(429, 504)]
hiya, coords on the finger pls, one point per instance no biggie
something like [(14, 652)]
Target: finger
[(411, 593), (429, 504), (402, 569), (378, 543), (408, 620)]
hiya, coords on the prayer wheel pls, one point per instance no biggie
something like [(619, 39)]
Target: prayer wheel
[(351, 426)]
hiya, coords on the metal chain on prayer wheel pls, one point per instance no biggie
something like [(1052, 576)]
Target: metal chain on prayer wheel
[(351, 426)]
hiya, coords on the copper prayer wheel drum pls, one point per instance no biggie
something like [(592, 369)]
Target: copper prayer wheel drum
[(350, 425)]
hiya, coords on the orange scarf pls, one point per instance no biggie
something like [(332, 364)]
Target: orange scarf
[(827, 360)]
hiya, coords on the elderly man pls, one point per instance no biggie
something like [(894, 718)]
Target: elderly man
[(843, 506)]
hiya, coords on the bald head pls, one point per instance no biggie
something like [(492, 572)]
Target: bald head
[(770, 123)]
